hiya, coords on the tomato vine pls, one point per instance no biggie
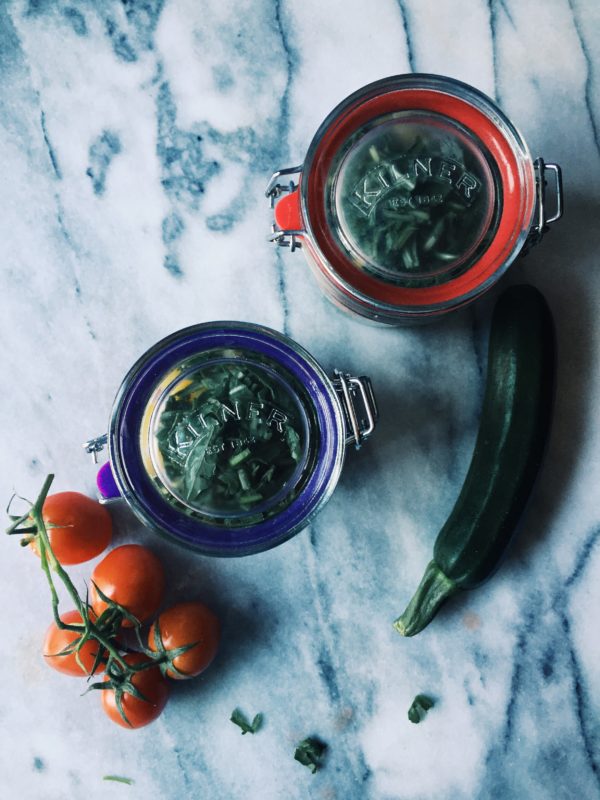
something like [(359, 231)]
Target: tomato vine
[(121, 665)]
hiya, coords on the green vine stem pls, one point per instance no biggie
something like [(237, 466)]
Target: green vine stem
[(104, 629), (51, 564), (49, 561)]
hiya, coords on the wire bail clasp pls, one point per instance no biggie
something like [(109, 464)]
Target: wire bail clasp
[(362, 416), (95, 446), (541, 226), (284, 236)]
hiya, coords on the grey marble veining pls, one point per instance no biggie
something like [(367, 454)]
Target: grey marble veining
[(136, 139)]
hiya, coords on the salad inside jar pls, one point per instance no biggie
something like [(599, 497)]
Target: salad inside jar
[(412, 198), (229, 440)]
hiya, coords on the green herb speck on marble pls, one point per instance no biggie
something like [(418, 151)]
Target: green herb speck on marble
[(419, 708)]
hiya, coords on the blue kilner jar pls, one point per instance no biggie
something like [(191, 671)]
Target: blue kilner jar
[(229, 437)]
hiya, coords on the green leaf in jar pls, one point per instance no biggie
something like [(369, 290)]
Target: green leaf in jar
[(399, 206), (230, 439)]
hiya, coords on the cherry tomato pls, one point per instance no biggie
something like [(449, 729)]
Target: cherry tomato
[(133, 577), (148, 682), (57, 639), (183, 624), (79, 528)]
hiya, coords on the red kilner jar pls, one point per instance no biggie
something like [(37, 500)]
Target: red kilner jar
[(415, 196)]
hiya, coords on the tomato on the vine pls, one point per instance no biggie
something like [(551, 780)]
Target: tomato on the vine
[(57, 639), (133, 577), (183, 624), (79, 528), (148, 682)]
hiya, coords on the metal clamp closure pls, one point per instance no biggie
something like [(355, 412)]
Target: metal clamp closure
[(543, 221), (360, 422), (95, 446), (274, 190)]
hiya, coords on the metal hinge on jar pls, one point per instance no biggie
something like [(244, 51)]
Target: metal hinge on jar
[(358, 404), (284, 235), (95, 446), (108, 491), (543, 221)]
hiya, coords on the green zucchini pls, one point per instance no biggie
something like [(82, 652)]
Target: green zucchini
[(515, 423)]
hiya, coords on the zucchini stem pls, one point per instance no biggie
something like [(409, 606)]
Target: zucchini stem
[(435, 588)]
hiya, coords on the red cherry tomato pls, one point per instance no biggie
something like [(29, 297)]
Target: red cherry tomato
[(133, 577), (148, 682), (184, 624), (58, 639), (79, 528)]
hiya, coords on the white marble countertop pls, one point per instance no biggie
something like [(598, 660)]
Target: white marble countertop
[(136, 139)]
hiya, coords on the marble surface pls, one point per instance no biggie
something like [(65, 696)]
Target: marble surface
[(136, 139)]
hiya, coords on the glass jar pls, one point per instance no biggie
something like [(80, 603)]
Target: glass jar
[(229, 437), (415, 196)]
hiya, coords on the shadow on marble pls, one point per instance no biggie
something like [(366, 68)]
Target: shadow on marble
[(561, 264)]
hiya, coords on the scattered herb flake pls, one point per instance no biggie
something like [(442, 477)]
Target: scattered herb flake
[(310, 752), (119, 779), (239, 718), (419, 708)]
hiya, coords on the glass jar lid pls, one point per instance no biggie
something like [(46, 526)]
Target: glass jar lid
[(226, 437), (411, 197)]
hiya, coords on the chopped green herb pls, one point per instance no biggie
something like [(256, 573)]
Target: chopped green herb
[(410, 197), (119, 779), (310, 752), (240, 719), (419, 708), (230, 437)]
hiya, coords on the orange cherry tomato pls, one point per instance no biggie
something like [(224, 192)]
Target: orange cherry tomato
[(184, 624), (133, 577), (148, 682), (79, 528), (57, 639)]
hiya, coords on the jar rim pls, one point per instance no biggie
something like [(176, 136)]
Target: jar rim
[(475, 111)]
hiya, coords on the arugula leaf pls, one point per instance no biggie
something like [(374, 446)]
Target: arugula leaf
[(119, 779), (419, 708), (239, 718), (310, 752)]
